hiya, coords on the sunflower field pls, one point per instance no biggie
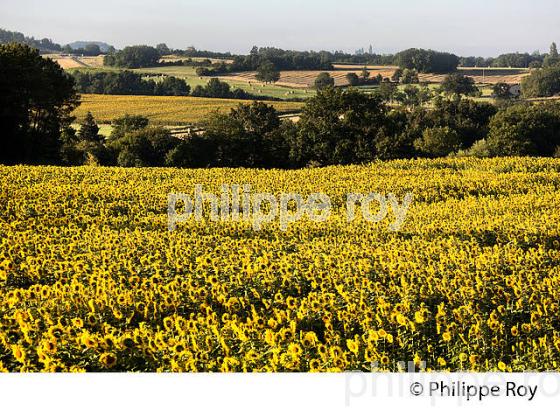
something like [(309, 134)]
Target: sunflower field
[(92, 280)]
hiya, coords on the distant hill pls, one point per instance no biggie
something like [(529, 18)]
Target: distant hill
[(104, 47), (44, 45)]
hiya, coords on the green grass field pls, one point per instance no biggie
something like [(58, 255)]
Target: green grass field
[(189, 75)]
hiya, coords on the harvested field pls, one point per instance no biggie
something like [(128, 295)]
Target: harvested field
[(67, 62), (305, 79)]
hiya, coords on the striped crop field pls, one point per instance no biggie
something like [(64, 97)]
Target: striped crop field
[(163, 110)]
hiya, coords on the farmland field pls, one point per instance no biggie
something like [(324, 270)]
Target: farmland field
[(69, 62), (254, 87), (305, 79), (91, 278), (163, 110)]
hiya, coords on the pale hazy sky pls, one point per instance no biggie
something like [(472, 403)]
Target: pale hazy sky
[(466, 27)]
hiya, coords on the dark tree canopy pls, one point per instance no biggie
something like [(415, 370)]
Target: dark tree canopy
[(268, 73), (89, 130), (525, 130), (134, 57), (459, 84), (323, 81), (36, 100), (127, 83), (542, 83), (427, 61), (339, 127), (43, 45)]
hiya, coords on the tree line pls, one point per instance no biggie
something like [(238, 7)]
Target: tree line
[(127, 83), (143, 56), (130, 83), (46, 45), (337, 126)]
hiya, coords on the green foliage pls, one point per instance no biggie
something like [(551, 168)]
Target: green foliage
[(409, 76), (478, 150), (458, 84), (396, 77), (267, 73), (323, 80), (364, 79), (501, 91), (44, 45), (412, 96), (387, 91), (127, 83), (468, 118), (427, 61), (353, 79), (542, 83), (85, 146), (134, 57), (339, 127), (438, 142), (516, 60), (144, 148), (525, 130), (89, 131), (36, 101), (552, 59), (128, 124), (249, 136), (220, 89), (172, 86)]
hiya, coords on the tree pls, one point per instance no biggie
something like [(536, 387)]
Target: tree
[(438, 142), (458, 84), (89, 130), (92, 50), (246, 137), (501, 91), (323, 80), (339, 127), (387, 90), (134, 57), (128, 124), (412, 96), (365, 74), (427, 61), (553, 51), (213, 89), (525, 130), (409, 76), (552, 59), (542, 83), (267, 73), (36, 101), (148, 147), (127, 82), (163, 50), (353, 79), (172, 86), (396, 77)]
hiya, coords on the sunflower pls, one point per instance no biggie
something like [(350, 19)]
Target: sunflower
[(19, 353), (353, 346), (108, 360)]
